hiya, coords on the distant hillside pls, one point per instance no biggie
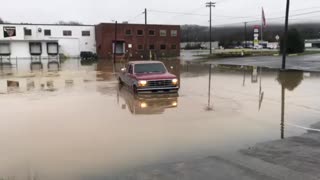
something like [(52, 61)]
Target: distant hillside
[(194, 33)]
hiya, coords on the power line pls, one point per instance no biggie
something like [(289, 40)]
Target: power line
[(312, 12), (135, 17), (192, 12), (218, 2), (179, 13), (296, 10)]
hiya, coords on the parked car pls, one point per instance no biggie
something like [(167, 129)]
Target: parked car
[(148, 76)]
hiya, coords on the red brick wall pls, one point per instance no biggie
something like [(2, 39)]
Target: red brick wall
[(105, 35)]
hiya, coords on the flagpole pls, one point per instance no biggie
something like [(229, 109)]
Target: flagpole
[(261, 24)]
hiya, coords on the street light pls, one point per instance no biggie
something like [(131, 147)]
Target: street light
[(285, 37)]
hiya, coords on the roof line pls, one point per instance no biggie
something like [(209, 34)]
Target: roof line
[(46, 24), (138, 24)]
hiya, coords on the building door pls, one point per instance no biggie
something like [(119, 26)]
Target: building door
[(119, 47), (53, 48), (35, 48)]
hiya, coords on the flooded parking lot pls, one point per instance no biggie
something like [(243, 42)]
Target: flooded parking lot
[(77, 123)]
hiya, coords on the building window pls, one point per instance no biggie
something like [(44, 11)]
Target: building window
[(163, 33), (128, 32), (174, 33), (163, 47), (151, 47), (173, 46), (67, 33), (47, 32), (140, 47), (152, 32), (140, 32), (85, 33), (27, 32)]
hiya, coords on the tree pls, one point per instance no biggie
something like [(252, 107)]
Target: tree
[(295, 43), (1, 21)]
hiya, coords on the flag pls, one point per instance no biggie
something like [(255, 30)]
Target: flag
[(264, 22)]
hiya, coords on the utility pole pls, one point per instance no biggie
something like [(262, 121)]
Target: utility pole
[(245, 34), (283, 96), (145, 54), (209, 108), (115, 41), (285, 37), (145, 16), (210, 5)]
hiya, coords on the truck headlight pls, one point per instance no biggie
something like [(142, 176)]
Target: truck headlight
[(174, 103), (143, 105), (142, 83), (175, 81)]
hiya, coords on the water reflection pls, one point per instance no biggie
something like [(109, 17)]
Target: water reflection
[(13, 86), (30, 84), (146, 103), (210, 106), (6, 69), (289, 80), (261, 92), (106, 70)]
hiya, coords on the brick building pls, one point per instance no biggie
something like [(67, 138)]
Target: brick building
[(137, 41)]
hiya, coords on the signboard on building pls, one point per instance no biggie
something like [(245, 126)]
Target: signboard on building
[(9, 31), (256, 36)]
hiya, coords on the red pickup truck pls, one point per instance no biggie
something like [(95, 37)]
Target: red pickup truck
[(152, 76)]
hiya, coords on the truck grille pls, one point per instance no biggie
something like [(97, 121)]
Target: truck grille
[(160, 83)]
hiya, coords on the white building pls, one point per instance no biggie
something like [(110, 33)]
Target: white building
[(26, 40), (205, 45), (312, 43)]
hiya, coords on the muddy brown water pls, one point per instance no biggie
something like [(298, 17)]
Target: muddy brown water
[(77, 123)]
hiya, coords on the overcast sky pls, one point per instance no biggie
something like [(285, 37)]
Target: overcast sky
[(94, 11)]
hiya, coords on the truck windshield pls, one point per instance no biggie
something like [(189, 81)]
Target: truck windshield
[(149, 68)]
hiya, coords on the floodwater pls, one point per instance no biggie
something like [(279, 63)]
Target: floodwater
[(77, 123)]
